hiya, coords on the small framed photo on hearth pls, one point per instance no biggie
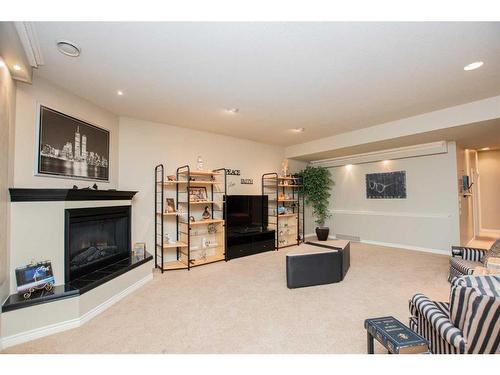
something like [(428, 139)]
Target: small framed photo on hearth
[(139, 249), (34, 276)]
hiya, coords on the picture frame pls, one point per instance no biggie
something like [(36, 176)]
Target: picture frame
[(139, 249), (71, 148), (387, 185), (170, 205), (197, 193)]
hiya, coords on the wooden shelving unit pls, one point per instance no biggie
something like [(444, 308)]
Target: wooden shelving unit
[(284, 193), (163, 222), (199, 241)]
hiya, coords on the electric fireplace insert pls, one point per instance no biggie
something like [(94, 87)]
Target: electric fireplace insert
[(95, 238)]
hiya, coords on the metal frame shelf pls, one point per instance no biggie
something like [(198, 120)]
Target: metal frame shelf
[(185, 179), (273, 186)]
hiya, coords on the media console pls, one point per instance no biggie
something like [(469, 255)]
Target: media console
[(241, 243)]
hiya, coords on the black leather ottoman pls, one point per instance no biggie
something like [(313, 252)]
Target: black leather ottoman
[(317, 263)]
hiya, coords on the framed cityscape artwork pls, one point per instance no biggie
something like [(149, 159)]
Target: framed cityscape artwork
[(71, 148)]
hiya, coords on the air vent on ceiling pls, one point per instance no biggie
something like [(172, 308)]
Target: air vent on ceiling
[(68, 48)]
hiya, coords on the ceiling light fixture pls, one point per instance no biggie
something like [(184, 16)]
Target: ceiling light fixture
[(119, 93), (68, 48), (473, 66), (298, 130), (485, 149), (16, 67), (232, 111)]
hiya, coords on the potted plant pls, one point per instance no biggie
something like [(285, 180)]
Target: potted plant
[(316, 182)]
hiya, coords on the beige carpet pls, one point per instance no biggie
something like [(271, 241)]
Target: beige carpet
[(244, 306)]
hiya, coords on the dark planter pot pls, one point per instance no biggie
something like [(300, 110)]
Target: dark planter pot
[(322, 233)]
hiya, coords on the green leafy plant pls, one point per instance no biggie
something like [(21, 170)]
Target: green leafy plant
[(316, 182)]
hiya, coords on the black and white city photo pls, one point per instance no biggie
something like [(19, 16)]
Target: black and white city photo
[(72, 148)]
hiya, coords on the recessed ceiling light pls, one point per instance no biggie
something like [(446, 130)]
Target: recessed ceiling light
[(473, 66), (68, 48), (232, 111), (16, 67), (119, 93), (298, 130)]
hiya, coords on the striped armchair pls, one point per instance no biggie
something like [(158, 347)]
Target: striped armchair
[(463, 260), (469, 323)]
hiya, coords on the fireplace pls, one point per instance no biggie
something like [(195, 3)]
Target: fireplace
[(95, 239)]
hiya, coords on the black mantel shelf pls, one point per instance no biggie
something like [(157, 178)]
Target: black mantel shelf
[(47, 195)]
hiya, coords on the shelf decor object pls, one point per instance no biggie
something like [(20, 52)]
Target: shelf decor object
[(286, 207), (199, 227)]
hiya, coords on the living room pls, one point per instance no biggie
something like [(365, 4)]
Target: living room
[(249, 187)]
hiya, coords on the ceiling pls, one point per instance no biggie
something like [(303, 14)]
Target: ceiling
[(484, 134), (326, 77)]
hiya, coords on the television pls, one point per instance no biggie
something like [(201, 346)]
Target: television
[(246, 213)]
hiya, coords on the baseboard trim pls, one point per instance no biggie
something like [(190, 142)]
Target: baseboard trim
[(117, 297), (395, 245), (406, 247), (37, 333)]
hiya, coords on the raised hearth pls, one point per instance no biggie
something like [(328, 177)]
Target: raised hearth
[(78, 286)]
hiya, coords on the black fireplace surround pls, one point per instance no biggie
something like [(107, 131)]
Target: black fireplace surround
[(95, 238)]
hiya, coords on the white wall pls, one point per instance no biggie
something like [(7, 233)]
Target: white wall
[(7, 113), (42, 92), (489, 169), (427, 219), (145, 144)]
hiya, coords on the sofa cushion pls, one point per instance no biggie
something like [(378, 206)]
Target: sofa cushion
[(462, 290), (488, 285), (481, 323), (465, 267)]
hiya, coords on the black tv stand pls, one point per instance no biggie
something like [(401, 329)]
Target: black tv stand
[(242, 243), (246, 230)]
